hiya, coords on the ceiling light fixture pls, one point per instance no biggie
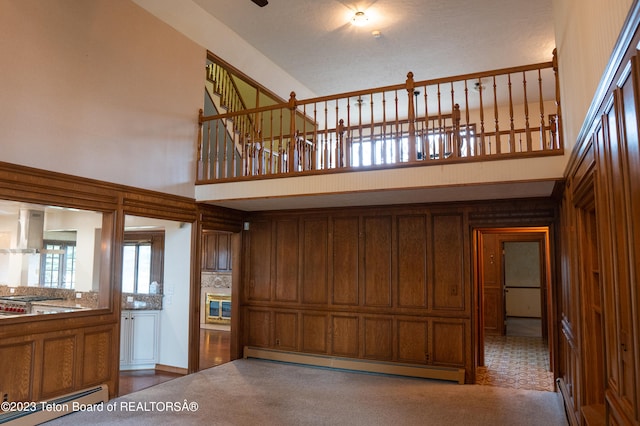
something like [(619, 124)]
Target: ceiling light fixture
[(359, 19)]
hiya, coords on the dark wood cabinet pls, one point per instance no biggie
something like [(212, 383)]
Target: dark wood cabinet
[(216, 251)]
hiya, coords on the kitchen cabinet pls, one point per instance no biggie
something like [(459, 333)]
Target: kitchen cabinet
[(139, 331), (216, 251)]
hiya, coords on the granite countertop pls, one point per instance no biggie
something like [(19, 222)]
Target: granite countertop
[(141, 302)]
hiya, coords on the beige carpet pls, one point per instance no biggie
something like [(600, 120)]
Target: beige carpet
[(254, 392)]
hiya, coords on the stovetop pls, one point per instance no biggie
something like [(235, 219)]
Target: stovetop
[(29, 298)]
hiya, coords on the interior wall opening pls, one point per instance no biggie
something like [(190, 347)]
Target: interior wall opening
[(514, 293)]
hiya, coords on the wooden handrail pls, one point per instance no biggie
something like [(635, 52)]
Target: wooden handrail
[(469, 117)]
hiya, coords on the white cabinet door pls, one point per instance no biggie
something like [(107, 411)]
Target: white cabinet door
[(139, 331), (144, 337), (124, 338)]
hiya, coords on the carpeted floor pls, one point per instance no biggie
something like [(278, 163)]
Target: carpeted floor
[(254, 392)]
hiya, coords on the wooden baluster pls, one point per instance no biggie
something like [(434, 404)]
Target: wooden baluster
[(552, 130), (283, 147), (558, 143), (527, 129), (412, 117), (211, 157), (512, 135), (425, 126), (315, 151), (398, 133), (456, 128), (441, 142), (372, 131), (292, 130), (225, 133), (346, 141), (543, 135), (471, 149), (495, 115), (482, 142), (325, 159), (385, 142), (455, 138), (199, 147), (360, 142), (214, 157)]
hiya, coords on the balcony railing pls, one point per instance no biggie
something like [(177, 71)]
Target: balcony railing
[(508, 113)]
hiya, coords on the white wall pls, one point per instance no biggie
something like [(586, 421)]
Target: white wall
[(99, 89), (208, 31), (586, 32)]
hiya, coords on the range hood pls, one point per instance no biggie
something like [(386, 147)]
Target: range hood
[(30, 232)]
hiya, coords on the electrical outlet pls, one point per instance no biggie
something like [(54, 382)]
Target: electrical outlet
[(78, 295), (427, 356), (5, 397), (277, 342)]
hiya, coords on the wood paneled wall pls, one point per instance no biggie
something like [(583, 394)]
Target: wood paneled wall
[(388, 284), (600, 340)]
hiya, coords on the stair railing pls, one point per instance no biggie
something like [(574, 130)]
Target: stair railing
[(501, 114)]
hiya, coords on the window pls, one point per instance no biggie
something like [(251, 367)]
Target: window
[(142, 261), (58, 264), (136, 267)]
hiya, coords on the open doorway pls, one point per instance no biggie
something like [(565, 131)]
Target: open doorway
[(156, 268), (514, 292), (216, 298)]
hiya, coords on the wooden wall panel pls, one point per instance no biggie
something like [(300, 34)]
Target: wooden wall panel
[(449, 343), (96, 357), (260, 260), (413, 342), (345, 335), (58, 366), (493, 306), (345, 261), (258, 323), (315, 333), (16, 376), (493, 296), (412, 261), (376, 283), (378, 338), (285, 330), (286, 260), (315, 261), (377, 261), (448, 262)]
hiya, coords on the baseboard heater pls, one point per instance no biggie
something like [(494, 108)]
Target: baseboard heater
[(349, 364), (27, 414)]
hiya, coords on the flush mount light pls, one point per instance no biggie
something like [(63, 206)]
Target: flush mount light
[(359, 19)]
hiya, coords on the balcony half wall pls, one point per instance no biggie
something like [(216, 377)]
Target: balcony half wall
[(488, 180)]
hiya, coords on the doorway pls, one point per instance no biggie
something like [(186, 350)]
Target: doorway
[(156, 269), (216, 298), (514, 293)]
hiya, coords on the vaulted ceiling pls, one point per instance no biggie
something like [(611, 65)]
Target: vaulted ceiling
[(316, 43)]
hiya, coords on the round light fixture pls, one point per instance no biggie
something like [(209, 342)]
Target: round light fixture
[(359, 19)]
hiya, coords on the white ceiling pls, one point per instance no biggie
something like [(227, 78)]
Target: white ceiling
[(315, 42)]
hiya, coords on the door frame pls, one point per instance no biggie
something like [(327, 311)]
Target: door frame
[(539, 234)]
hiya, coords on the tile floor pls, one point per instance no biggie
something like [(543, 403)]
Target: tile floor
[(516, 362)]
